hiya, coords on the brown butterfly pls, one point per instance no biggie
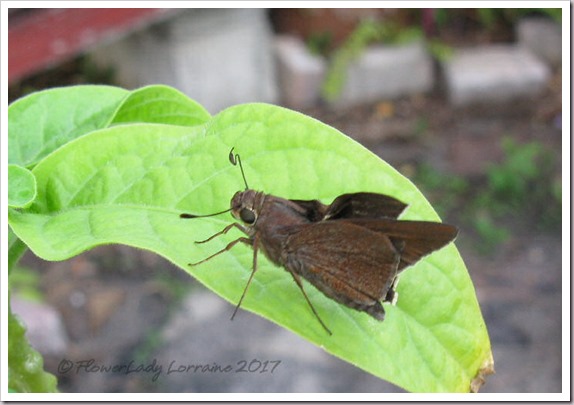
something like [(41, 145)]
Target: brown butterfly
[(351, 250)]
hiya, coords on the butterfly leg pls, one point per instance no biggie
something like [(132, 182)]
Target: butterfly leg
[(300, 284), (224, 231), (247, 241), (392, 295), (255, 249)]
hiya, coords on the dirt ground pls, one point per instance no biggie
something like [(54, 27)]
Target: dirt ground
[(120, 304)]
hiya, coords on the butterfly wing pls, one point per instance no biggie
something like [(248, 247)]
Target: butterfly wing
[(351, 264), (354, 205), (413, 239), (364, 205), (312, 210)]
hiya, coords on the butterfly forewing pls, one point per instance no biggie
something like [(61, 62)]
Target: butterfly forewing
[(355, 205), (364, 205), (356, 270)]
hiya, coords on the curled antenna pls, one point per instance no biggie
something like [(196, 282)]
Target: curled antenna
[(235, 159)]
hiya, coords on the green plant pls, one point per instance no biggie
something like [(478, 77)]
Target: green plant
[(440, 50), (104, 165), (445, 191), (25, 282), (490, 233), (366, 32), (25, 364), (319, 43), (489, 18), (521, 176), (523, 184)]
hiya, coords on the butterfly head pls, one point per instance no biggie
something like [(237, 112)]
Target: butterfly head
[(246, 206)]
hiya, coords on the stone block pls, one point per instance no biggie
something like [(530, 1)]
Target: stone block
[(543, 37), (379, 73), (300, 73), (218, 57), (388, 72), (494, 73)]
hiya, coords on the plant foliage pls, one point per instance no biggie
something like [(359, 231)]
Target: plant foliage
[(123, 171)]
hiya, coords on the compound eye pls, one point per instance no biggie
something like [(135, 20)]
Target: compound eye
[(247, 216)]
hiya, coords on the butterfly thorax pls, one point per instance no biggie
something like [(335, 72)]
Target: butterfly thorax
[(267, 218)]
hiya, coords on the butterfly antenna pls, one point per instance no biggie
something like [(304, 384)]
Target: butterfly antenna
[(188, 216), (235, 159)]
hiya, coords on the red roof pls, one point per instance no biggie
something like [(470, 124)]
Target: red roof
[(42, 38)]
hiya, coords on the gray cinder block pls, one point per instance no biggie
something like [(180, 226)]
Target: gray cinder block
[(494, 73), (219, 57)]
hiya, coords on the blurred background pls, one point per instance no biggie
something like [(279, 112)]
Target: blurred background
[(465, 102)]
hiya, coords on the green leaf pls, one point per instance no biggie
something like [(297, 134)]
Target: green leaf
[(41, 122), (163, 105), (128, 184), (21, 186), (25, 365)]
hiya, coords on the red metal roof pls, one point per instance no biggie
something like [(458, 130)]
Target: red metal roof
[(41, 38)]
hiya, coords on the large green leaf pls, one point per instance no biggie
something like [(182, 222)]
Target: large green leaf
[(128, 184), (42, 122), (161, 105)]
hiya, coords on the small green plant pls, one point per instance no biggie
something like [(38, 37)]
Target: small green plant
[(319, 43), (25, 282), (440, 50), (490, 233), (510, 180), (366, 32), (521, 181), (523, 184), (489, 18), (106, 165), (444, 190)]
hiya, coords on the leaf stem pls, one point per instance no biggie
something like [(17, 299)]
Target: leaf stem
[(16, 248)]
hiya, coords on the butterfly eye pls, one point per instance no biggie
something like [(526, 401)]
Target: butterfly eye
[(247, 215)]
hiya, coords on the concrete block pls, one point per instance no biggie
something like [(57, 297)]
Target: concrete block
[(494, 73), (300, 73), (381, 72), (387, 72), (543, 37), (219, 57)]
